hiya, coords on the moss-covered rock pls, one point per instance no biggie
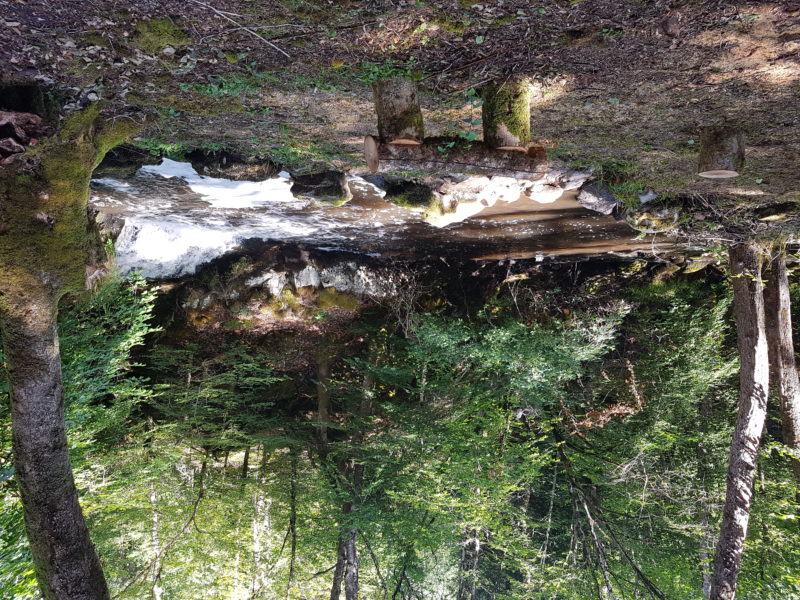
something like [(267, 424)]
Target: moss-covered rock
[(656, 220)]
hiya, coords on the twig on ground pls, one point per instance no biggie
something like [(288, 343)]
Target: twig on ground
[(239, 25)]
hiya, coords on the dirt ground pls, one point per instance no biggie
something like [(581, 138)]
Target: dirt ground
[(624, 85)]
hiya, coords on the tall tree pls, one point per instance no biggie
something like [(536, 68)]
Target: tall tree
[(43, 255), (781, 352), (748, 306)]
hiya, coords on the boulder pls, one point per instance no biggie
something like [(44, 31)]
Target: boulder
[(597, 197)]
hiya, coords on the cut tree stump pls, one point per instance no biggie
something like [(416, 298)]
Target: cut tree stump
[(397, 107), (506, 114), (721, 152)]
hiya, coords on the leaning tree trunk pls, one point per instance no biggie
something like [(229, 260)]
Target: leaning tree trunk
[(43, 254), (66, 563), (397, 106), (748, 304), (781, 353), (506, 114), (721, 152)]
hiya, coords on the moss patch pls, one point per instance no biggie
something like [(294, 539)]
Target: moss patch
[(156, 34), (190, 103), (506, 113)]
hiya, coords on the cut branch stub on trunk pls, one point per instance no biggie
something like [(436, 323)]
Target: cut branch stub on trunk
[(721, 152), (506, 114), (397, 107)]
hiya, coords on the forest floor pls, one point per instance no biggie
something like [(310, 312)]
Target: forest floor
[(622, 86)]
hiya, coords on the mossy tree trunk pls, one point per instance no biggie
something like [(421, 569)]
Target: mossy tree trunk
[(748, 308), (43, 254), (506, 114), (397, 107)]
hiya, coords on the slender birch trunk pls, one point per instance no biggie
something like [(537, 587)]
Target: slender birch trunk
[(748, 305), (781, 353)]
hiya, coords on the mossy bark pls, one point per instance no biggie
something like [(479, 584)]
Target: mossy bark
[(397, 107), (506, 114), (43, 252)]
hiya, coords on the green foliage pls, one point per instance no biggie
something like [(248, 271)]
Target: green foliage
[(546, 437)]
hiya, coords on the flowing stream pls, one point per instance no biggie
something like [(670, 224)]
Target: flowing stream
[(174, 220)]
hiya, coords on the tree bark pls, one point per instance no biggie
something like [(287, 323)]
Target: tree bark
[(748, 304), (783, 369), (721, 152), (351, 565), (338, 572), (397, 107), (704, 504), (469, 566), (506, 114), (66, 563), (292, 520), (323, 401), (43, 254)]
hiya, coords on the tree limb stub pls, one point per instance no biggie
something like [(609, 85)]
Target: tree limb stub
[(721, 152), (398, 110)]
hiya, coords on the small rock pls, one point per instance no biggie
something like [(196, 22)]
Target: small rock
[(597, 198), (169, 51), (648, 195)]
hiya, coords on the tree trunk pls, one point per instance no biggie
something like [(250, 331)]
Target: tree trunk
[(158, 591), (67, 566), (705, 503), (748, 303), (338, 572), (246, 463), (399, 114), (323, 400), (43, 254), (469, 566), (351, 565), (506, 114), (292, 521), (721, 152), (777, 306)]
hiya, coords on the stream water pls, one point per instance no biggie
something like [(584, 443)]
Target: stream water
[(176, 220)]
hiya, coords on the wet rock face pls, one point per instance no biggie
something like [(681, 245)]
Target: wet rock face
[(231, 165), (327, 184), (285, 284)]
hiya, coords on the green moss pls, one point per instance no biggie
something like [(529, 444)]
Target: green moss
[(156, 34), (47, 228), (452, 24), (506, 113), (190, 103), (328, 298)]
